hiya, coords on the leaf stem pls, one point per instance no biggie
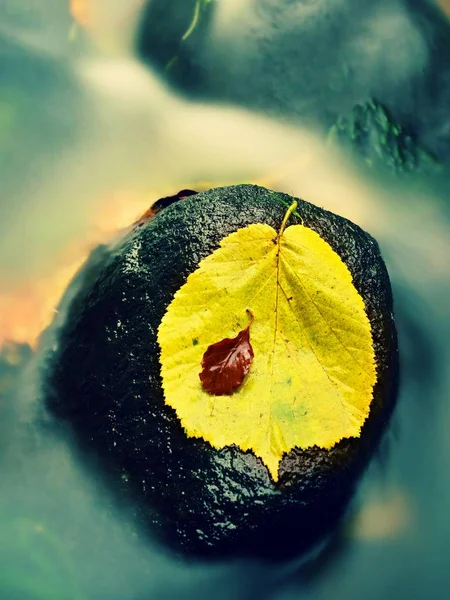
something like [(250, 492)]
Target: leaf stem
[(286, 204), (194, 21), (289, 211)]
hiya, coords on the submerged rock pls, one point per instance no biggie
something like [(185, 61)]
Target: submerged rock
[(104, 380), (371, 133)]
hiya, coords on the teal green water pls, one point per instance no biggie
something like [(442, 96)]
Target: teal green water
[(78, 124)]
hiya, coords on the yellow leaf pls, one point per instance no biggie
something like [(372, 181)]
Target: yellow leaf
[(312, 377)]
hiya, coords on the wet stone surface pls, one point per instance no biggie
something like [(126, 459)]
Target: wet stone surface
[(103, 382)]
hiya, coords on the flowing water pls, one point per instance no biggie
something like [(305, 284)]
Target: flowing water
[(89, 136)]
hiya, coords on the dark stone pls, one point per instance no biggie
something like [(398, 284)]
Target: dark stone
[(310, 62), (169, 36), (372, 134), (104, 379)]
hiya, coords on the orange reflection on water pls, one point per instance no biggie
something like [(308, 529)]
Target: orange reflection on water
[(81, 11), (28, 308), (445, 5)]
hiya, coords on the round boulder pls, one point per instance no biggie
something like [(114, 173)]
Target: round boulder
[(103, 379)]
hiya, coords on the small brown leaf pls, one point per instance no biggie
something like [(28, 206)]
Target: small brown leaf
[(161, 204), (226, 363)]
